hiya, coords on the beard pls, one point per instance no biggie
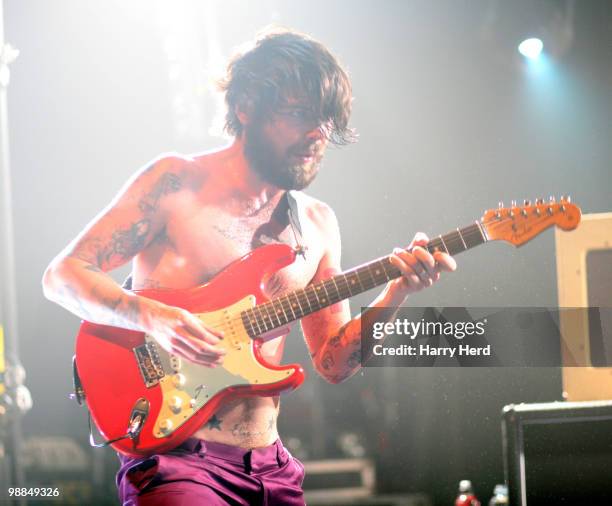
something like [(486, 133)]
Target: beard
[(286, 171)]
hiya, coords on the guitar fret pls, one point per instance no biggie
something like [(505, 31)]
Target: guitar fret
[(272, 313), (340, 293), (254, 320), (286, 299), (305, 292), (461, 237), (443, 243), (454, 243), (384, 266), (349, 288), (349, 293), (267, 315), (282, 309), (339, 296), (433, 245), (350, 283), (263, 320), (315, 289), (377, 272), (246, 320), (371, 276), (329, 299), (257, 320), (472, 235), (302, 313), (482, 233), (356, 274)]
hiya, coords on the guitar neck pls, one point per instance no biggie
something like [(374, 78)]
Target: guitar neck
[(279, 312)]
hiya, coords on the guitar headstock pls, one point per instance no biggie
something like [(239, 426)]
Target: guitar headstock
[(519, 224)]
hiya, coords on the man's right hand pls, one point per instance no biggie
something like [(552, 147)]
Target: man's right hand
[(181, 333)]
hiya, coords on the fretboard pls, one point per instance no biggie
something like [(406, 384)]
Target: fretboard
[(280, 311)]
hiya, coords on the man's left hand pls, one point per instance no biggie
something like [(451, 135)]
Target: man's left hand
[(419, 268)]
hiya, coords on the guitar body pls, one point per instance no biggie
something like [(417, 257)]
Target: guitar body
[(126, 374)]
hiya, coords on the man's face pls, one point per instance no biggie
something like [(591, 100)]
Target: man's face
[(286, 147)]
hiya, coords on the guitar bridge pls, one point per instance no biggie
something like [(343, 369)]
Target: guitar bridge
[(149, 364)]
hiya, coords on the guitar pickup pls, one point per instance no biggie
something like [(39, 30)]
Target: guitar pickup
[(149, 363)]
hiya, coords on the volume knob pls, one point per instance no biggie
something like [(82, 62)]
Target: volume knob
[(165, 425), (179, 380), (175, 403)]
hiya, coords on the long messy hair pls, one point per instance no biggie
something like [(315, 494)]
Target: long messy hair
[(285, 64)]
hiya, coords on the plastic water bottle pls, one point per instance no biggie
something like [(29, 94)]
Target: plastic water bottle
[(500, 496), (466, 495)]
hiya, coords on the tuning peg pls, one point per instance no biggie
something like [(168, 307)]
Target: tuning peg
[(500, 205), (552, 199), (513, 203), (566, 198), (539, 201), (527, 202)]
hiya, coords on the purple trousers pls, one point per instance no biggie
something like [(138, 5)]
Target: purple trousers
[(202, 472)]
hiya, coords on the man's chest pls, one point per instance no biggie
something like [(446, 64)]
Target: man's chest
[(202, 241)]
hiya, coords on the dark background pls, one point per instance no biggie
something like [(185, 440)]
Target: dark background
[(451, 120)]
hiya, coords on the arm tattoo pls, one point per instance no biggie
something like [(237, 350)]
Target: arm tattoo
[(132, 311), (126, 243), (162, 238), (167, 183), (102, 253), (341, 354), (122, 311), (335, 341), (123, 245), (327, 362), (151, 283), (109, 302), (354, 359), (343, 338)]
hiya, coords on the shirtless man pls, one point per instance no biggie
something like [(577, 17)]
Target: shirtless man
[(182, 219)]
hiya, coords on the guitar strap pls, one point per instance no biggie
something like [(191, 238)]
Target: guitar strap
[(127, 282), (293, 213)]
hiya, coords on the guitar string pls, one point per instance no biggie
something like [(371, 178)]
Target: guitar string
[(227, 323)]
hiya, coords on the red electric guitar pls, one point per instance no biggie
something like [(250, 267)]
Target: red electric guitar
[(145, 400)]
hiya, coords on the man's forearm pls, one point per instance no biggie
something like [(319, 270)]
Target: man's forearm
[(93, 295), (341, 355)]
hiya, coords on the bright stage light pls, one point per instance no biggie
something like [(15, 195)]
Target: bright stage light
[(531, 48)]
